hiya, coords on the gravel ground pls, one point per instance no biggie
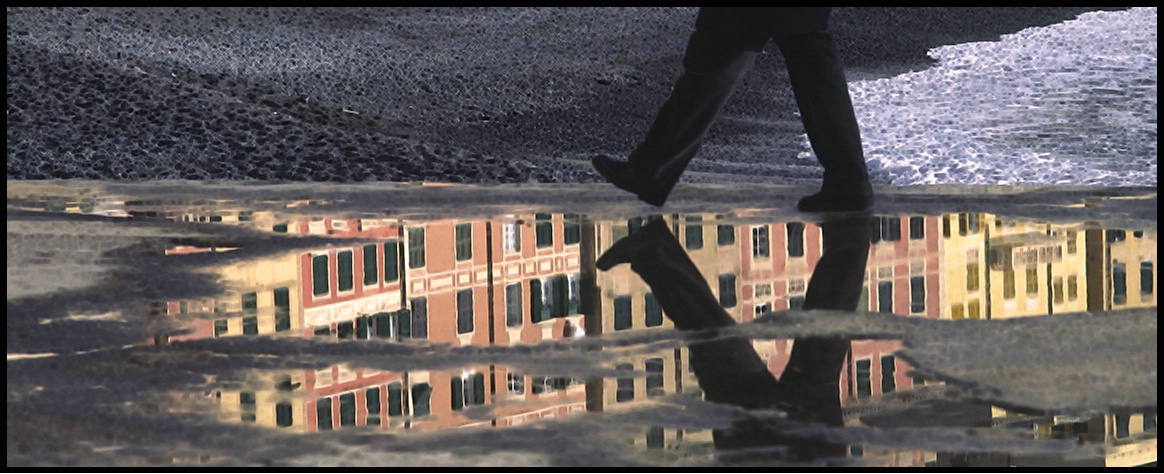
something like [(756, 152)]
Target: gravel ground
[(477, 95)]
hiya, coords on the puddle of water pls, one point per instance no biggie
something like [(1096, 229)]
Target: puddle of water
[(332, 331)]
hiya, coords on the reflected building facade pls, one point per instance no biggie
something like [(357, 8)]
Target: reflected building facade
[(528, 278)]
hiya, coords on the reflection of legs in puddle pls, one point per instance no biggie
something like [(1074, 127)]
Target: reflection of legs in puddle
[(728, 369)]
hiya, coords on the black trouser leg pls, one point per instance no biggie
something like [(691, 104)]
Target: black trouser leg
[(811, 379), (822, 93), (728, 369), (712, 66)]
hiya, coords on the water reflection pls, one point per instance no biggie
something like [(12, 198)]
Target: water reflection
[(532, 279), (728, 369)]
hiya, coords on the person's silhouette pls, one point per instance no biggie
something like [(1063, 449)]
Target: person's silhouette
[(720, 51), (728, 368)]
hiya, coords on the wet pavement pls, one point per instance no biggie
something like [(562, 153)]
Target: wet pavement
[(185, 323)]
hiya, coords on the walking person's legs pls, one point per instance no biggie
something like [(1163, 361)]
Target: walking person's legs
[(712, 66), (822, 94)]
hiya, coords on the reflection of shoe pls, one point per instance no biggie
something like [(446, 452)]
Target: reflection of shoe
[(628, 247), (620, 174), (835, 202)]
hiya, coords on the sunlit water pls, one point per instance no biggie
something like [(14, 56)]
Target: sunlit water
[(253, 325), (1072, 103)]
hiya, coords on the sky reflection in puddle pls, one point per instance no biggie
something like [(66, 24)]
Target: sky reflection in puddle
[(470, 336)]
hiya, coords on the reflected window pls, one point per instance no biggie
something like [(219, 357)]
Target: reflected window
[(1057, 291), (760, 241), (515, 383), (972, 276), (395, 399), (246, 402), (319, 280), (347, 409), (371, 265), (1032, 281), (282, 309), (1072, 241), (391, 262), (888, 374), (221, 327), (280, 228), (543, 230), (890, 228), (725, 234), (957, 312), (1149, 421), (421, 395), (1122, 426), (727, 290), (419, 318), (1114, 236), (559, 296), (1147, 278), (323, 413), (946, 226), (635, 223), (393, 325), (468, 389), (571, 229), (1008, 284), (862, 375), (575, 295), (967, 224), (345, 330), (1119, 283), (362, 327), (654, 311), (464, 311), (917, 294), (761, 309), (694, 232), (511, 237), (795, 232), (974, 309), (513, 305), (464, 241), (538, 311), (626, 384), (345, 275), (655, 437), (1072, 288), (372, 402), (250, 325), (622, 312), (885, 297), (284, 416), (654, 380), (250, 302), (917, 228), (796, 302), (416, 247)]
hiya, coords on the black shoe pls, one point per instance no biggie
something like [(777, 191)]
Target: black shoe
[(620, 174), (835, 202), (630, 246)]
